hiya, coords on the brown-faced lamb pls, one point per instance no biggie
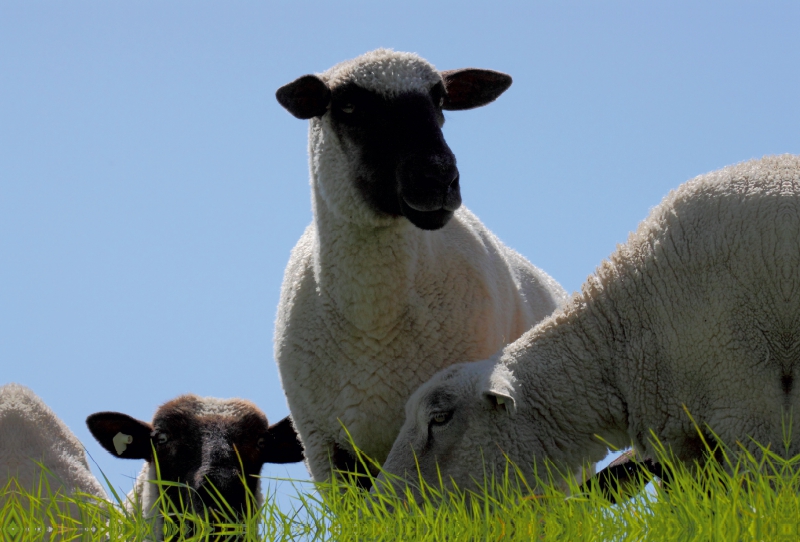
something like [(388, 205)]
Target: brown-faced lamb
[(698, 310), (393, 280), (213, 447)]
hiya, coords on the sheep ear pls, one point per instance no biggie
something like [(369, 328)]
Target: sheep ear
[(283, 444), (305, 97), (122, 435), (470, 87), (623, 477), (498, 389)]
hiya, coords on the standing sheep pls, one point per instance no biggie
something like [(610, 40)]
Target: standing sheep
[(207, 444), (699, 308), (393, 280), (30, 432)]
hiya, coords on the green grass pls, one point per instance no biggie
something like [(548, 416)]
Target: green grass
[(742, 497)]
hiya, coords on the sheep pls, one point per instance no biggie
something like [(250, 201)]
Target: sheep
[(697, 310), (209, 445), (393, 279), (31, 434)]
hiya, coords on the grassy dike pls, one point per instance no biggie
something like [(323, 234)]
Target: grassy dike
[(742, 497)]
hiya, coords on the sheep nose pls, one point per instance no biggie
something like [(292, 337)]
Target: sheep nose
[(452, 198), (454, 183), (430, 183)]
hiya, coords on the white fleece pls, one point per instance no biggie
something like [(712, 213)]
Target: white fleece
[(29, 432), (698, 309), (372, 306)]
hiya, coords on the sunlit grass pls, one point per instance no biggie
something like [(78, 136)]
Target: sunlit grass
[(742, 496)]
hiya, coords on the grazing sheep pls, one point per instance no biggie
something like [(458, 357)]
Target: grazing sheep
[(392, 281), (30, 432), (699, 309), (208, 444)]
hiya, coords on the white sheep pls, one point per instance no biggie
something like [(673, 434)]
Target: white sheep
[(392, 280), (207, 444), (699, 309), (32, 434)]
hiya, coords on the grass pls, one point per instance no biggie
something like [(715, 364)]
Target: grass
[(741, 497)]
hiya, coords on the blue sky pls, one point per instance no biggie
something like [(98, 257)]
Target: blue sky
[(151, 187)]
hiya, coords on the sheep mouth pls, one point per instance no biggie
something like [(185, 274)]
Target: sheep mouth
[(426, 219)]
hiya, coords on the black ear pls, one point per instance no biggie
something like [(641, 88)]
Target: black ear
[(121, 435), (470, 87), (623, 477), (283, 444), (305, 97)]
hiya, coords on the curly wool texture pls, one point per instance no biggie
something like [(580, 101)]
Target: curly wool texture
[(697, 310), (30, 431), (372, 306), (384, 71)]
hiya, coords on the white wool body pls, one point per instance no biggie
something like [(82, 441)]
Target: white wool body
[(372, 306), (31, 432), (696, 312)]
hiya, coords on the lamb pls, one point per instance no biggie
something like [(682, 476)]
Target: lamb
[(209, 445), (393, 280), (32, 434), (698, 309)]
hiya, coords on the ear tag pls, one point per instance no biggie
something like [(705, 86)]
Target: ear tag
[(500, 400), (121, 441)]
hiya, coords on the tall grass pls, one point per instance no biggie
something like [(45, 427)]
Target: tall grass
[(742, 496)]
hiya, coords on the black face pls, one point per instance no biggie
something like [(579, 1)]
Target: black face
[(204, 453), (211, 455), (406, 168)]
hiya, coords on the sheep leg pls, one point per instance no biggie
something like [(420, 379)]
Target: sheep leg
[(346, 462)]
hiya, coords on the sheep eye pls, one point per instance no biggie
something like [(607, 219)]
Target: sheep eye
[(348, 108), (441, 418), (261, 442), (161, 438), (441, 102)]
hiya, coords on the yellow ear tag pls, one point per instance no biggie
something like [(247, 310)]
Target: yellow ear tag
[(121, 441)]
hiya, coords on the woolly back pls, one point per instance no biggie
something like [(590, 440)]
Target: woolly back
[(743, 218), (30, 431), (738, 226), (742, 222)]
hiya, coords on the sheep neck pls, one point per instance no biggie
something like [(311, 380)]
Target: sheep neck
[(575, 350), (367, 271)]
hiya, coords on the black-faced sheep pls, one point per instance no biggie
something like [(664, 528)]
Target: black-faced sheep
[(209, 445), (393, 280), (697, 310), (30, 432)]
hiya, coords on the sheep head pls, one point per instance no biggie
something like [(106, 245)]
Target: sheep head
[(209, 445), (384, 113)]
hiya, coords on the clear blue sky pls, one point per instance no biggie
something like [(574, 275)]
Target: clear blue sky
[(151, 187)]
